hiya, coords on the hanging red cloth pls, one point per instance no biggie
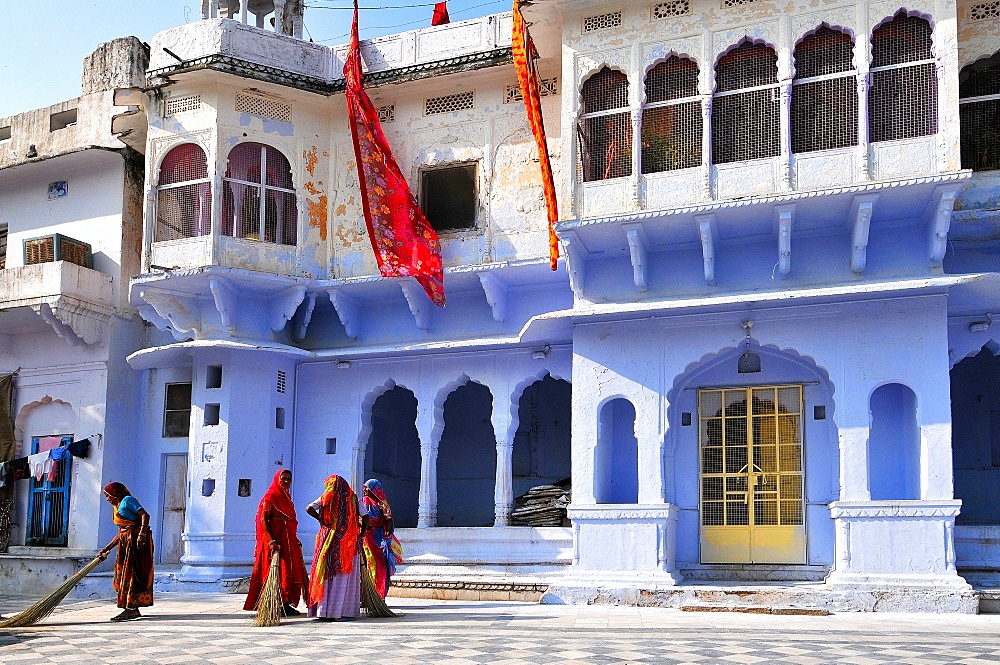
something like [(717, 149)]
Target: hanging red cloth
[(405, 244), (440, 14), (527, 77)]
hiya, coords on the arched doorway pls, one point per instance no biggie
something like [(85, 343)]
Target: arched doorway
[(975, 424), (393, 452), (542, 449), (467, 459)]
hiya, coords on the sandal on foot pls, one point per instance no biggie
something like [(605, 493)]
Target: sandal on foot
[(127, 615)]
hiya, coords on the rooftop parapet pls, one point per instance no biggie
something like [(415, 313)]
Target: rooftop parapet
[(231, 46)]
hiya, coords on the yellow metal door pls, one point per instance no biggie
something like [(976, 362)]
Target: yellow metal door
[(750, 444)]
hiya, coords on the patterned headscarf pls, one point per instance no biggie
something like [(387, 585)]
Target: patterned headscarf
[(117, 490), (337, 540), (375, 496)]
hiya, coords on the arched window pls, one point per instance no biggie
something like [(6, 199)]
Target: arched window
[(824, 97), (979, 112), (259, 200), (746, 108), (671, 118), (184, 195), (616, 456), (903, 99), (605, 128), (893, 444)]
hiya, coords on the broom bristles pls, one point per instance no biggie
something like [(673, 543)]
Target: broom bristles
[(269, 603), (371, 602), (44, 607)]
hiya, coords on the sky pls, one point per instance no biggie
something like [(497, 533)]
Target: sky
[(43, 42)]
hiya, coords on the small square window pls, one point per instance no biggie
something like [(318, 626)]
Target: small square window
[(279, 418), (211, 414), (686, 419), (448, 197), (819, 412), (331, 445), (177, 410), (213, 376)]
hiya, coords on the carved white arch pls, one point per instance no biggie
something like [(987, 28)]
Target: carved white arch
[(748, 38), (161, 148), (651, 64), (22, 414), (285, 148), (836, 28), (367, 404), (442, 396), (586, 75), (518, 392)]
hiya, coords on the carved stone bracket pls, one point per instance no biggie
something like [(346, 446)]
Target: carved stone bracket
[(575, 261), (708, 233), (861, 215), (181, 313), (225, 301), (302, 323), (783, 217), (638, 247), (284, 304), (420, 304), (349, 311), (939, 224), (496, 294), (78, 323)]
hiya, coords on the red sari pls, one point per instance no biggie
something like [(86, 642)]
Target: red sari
[(276, 505)]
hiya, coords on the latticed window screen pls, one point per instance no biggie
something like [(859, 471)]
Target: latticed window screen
[(184, 195), (979, 113), (258, 197), (461, 101), (605, 128), (672, 8), (177, 105), (751, 456), (746, 108), (592, 23), (903, 99), (671, 119), (824, 96), (386, 113), (265, 106), (985, 10)]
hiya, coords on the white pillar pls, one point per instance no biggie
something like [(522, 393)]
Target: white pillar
[(785, 137), (503, 495), (864, 170), (706, 147), (636, 194)]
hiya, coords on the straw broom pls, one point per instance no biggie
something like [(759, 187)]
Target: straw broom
[(44, 607), (371, 602), (269, 603)]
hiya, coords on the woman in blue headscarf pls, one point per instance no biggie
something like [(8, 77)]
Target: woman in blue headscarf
[(382, 548)]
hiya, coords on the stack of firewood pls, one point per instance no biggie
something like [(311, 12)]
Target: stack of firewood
[(544, 505)]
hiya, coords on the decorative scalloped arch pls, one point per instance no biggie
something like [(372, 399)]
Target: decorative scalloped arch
[(904, 12), (366, 414), (836, 28), (968, 350), (518, 391), (163, 149), (285, 150), (23, 412), (442, 397), (739, 42), (590, 73), (660, 59)]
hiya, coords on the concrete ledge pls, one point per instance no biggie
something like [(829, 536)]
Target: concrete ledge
[(801, 611)]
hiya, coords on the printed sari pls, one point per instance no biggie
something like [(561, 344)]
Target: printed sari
[(277, 508), (133, 578), (335, 582), (382, 549)]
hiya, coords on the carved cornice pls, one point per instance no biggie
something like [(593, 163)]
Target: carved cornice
[(78, 322), (863, 510), (616, 512)]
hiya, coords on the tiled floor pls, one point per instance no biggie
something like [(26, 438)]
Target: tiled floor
[(203, 628)]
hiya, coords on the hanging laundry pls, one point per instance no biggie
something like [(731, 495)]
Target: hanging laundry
[(47, 443), (3, 473), (36, 464), (440, 14), (59, 453), (51, 469), (80, 448), (17, 469)]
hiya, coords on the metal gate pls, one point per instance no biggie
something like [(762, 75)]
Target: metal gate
[(750, 444)]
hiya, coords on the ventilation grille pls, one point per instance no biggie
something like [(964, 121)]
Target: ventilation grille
[(386, 113), (547, 87), (674, 8), (461, 101), (592, 23), (280, 385), (57, 247), (266, 107), (181, 104), (736, 3), (985, 10)]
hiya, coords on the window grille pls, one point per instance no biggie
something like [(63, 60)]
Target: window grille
[(546, 87), (903, 99), (824, 97), (184, 194), (674, 8), (979, 113), (985, 10), (387, 113), (592, 23), (736, 3), (181, 104), (671, 119), (605, 129), (256, 103), (280, 383), (746, 108), (258, 197), (461, 101)]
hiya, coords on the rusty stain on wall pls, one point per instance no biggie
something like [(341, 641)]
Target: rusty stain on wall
[(311, 158)]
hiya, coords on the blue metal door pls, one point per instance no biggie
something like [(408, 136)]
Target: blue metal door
[(48, 506)]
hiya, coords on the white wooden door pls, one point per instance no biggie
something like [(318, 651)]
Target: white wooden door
[(170, 546)]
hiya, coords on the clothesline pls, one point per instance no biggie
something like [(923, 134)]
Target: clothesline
[(43, 464)]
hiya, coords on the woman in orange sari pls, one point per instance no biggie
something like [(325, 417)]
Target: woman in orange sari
[(335, 583), (277, 531), (134, 562)]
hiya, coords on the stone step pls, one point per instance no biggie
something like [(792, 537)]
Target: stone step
[(758, 609), (468, 589)]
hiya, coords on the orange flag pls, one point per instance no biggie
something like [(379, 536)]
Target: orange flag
[(527, 76)]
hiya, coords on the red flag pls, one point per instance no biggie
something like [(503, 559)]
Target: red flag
[(440, 14), (405, 244), (527, 76)]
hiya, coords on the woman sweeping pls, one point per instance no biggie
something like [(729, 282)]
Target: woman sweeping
[(277, 531), (382, 548), (134, 563), (335, 582)]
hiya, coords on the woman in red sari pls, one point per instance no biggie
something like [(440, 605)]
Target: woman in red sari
[(382, 548), (277, 531), (134, 562)]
